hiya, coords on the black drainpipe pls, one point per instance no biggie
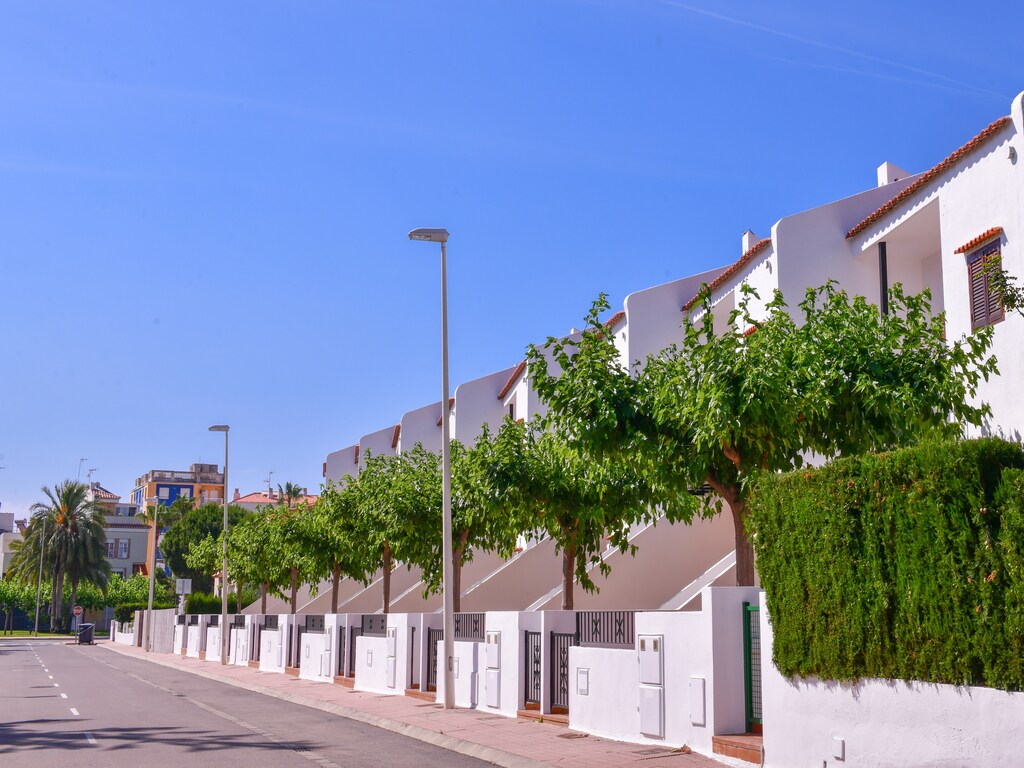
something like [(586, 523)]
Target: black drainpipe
[(883, 279)]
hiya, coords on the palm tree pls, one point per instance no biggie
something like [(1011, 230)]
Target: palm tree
[(290, 493), (74, 546)]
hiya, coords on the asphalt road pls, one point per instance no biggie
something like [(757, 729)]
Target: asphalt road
[(66, 705)]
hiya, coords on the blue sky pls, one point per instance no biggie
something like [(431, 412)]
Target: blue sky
[(203, 206)]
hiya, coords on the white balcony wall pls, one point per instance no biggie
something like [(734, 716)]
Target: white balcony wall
[(342, 464)]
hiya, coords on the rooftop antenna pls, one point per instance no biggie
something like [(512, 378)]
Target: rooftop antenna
[(89, 475), (270, 487), (81, 461)]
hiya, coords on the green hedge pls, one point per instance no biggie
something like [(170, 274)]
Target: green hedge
[(200, 602), (904, 565)]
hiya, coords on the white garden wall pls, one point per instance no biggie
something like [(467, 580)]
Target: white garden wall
[(884, 723)]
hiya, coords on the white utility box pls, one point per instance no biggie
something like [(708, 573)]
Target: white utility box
[(652, 721), (492, 681), (649, 648), (493, 646), (392, 641), (391, 672), (698, 706)]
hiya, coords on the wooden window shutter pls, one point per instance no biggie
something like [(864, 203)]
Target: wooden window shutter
[(985, 305)]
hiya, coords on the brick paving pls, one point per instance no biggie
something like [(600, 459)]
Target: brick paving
[(496, 738)]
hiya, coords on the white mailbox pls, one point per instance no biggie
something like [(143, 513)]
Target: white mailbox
[(392, 641), (492, 681), (650, 648), (391, 672), (493, 646), (652, 721)]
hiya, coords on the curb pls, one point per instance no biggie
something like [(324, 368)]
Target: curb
[(451, 743)]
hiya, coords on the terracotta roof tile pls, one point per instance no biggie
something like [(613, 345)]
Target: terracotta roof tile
[(398, 432), (263, 498), (451, 404), (930, 175), (99, 492), (512, 380), (615, 319), (740, 263), (973, 243)]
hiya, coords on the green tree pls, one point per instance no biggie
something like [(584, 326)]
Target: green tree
[(255, 554), (333, 543), (72, 527), (289, 493), (193, 527), (759, 393)]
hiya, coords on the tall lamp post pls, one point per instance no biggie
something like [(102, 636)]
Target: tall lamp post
[(155, 501), (39, 583), (224, 566), (441, 236)]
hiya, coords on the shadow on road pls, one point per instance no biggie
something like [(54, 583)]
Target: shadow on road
[(21, 736)]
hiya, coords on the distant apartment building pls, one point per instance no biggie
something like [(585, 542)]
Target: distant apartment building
[(202, 482), (9, 533), (127, 537)]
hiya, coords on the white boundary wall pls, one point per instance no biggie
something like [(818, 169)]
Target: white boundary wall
[(885, 722), (706, 645)]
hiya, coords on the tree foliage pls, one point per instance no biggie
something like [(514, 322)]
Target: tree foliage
[(195, 526), (759, 393)]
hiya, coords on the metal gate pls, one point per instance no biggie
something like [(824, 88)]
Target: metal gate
[(412, 657), (353, 633), (560, 645), (340, 672), (434, 636), (532, 668), (752, 664)]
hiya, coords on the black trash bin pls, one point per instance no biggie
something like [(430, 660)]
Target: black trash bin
[(85, 634)]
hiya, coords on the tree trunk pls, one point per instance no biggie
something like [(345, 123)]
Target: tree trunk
[(74, 593), (733, 496), (386, 580), (568, 574), (263, 596), (295, 587), (744, 549), (458, 553), (57, 609), (335, 578)]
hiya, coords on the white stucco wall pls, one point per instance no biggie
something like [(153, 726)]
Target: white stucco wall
[(272, 649), (420, 426), (886, 723), (705, 644), (341, 464), (477, 404), (468, 687), (316, 655), (379, 443), (371, 665)]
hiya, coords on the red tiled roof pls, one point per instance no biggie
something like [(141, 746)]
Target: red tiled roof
[(263, 498), (451, 402), (929, 175), (99, 492), (740, 263), (750, 331), (394, 439), (512, 380), (615, 319), (973, 243)]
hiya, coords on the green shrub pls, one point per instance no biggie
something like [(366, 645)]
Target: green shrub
[(125, 612), (907, 565), (199, 602)]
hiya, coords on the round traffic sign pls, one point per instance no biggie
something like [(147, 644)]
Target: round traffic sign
[(78, 610)]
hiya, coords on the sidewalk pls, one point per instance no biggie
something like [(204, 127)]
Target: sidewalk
[(497, 739)]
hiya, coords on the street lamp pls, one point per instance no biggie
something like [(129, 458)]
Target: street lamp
[(39, 584), (224, 566), (441, 236), (155, 501)]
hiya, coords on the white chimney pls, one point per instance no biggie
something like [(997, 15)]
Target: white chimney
[(749, 241), (888, 173)]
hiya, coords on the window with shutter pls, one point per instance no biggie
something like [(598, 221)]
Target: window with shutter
[(985, 305), (111, 547)]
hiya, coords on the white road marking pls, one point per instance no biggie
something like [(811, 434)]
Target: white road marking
[(51, 676), (63, 695), (57, 685), (74, 712), (89, 737)]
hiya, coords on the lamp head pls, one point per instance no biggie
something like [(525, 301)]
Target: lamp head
[(429, 234), (219, 428)]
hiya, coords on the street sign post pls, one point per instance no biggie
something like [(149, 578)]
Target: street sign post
[(77, 611), (183, 586)]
